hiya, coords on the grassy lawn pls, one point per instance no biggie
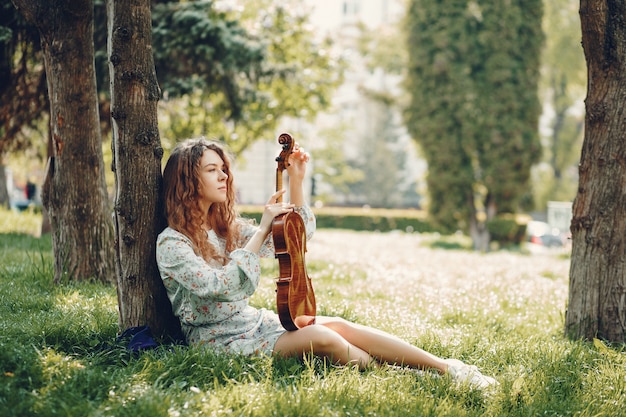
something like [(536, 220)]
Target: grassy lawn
[(502, 311)]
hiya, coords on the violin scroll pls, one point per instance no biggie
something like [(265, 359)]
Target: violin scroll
[(287, 143)]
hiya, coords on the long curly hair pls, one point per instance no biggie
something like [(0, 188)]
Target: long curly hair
[(182, 209)]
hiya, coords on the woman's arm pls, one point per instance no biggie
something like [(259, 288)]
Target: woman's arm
[(296, 169), (179, 263), (272, 209)]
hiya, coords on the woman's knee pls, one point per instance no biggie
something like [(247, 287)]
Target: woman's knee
[(316, 338), (339, 325), (324, 339)]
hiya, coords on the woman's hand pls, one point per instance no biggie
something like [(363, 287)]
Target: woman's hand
[(296, 167), (272, 209)]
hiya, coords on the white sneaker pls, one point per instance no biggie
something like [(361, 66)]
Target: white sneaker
[(469, 374)]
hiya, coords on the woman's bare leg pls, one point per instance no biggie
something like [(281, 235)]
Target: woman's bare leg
[(347, 342), (384, 346), (321, 341)]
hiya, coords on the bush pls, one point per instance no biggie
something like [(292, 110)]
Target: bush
[(361, 219), (508, 228)]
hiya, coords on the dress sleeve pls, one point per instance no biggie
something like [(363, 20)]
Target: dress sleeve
[(179, 265), (309, 220)]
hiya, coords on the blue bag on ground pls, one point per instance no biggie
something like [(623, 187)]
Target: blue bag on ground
[(140, 338)]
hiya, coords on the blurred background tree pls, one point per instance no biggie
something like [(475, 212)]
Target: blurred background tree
[(562, 91), (331, 168), (473, 76), (380, 160), (383, 156)]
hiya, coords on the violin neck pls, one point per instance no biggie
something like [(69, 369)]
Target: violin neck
[(279, 184)]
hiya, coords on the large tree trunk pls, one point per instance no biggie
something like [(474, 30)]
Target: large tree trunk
[(137, 154), (74, 191), (597, 295)]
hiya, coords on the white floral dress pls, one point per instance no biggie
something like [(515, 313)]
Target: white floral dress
[(211, 300)]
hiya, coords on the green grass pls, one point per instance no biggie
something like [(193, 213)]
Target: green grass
[(58, 355), (27, 222)]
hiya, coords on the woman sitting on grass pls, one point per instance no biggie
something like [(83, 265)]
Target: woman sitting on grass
[(208, 258)]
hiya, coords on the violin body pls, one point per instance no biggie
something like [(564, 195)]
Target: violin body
[(295, 298)]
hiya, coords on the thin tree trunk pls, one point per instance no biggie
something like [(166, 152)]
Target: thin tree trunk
[(478, 230), (4, 191), (46, 227), (597, 294), (74, 190), (137, 154)]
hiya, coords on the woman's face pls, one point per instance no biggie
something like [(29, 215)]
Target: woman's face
[(212, 179)]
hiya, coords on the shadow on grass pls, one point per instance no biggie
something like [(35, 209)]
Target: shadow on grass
[(464, 243), (449, 242), (442, 244)]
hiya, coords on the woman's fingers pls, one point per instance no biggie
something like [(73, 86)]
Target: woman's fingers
[(275, 196), (298, 153), (274, 210), (278, 208)]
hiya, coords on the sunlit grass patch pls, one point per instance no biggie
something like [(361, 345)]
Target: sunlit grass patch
[(82, 317), (20, 222), (58, 367)]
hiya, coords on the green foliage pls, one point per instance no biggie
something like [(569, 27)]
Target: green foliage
[(230, 74), (234, 74), (379, 48), (508, 229), (58, 354), (23, 86), (199, 48), (473, 75)]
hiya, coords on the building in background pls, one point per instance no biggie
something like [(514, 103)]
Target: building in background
[(353, 112)]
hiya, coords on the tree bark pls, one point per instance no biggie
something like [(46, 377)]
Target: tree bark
[(597, 294), (74, 191), (137, 154), (5, 202)]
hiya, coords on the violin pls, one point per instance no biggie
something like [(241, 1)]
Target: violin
[(295, 298)]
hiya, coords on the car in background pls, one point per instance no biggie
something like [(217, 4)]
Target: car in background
[(542, 234)]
